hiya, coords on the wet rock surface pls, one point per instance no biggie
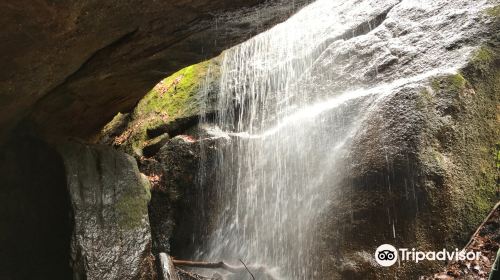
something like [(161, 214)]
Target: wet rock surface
[(176, 214), (175, 209), (420, 172), (408, 41), (111, 237)]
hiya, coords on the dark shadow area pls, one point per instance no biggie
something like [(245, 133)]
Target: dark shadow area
[(35, 223)]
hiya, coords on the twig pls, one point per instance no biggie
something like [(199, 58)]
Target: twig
[(481, 225), (247, 269), (222, 265)]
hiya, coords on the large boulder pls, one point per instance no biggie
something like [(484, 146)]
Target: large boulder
[(185, 165), (109, 198), (421, 173)]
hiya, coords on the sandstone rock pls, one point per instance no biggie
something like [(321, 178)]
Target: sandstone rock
[(109, 197)]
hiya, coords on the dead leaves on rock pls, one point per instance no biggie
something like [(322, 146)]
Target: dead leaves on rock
[(487, 241)]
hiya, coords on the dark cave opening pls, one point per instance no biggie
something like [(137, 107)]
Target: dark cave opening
[(35, 220)]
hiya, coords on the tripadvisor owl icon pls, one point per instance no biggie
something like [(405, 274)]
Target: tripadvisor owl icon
[(386, 255)]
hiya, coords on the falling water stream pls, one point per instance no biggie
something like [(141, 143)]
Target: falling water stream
[(291, 100)]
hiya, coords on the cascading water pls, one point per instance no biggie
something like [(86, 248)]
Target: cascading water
[(291, 100)]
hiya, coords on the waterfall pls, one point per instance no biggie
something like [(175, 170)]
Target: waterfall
[(292, 102)]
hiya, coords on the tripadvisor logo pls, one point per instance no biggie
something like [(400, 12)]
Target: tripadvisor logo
[(387, 255)]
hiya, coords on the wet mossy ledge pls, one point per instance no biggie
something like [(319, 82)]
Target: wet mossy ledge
[(172, 106)]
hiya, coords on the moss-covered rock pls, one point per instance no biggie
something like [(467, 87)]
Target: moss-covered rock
[(109, 199), (132, 206), (179, 95), (494, 12), (451, 84), (172, 106), (114, 128), (422, 171)]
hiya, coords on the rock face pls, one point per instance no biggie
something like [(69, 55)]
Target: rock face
[(70, 66), (178, 220), (422, 176), (421, 171), (162, 133), (109, 197)]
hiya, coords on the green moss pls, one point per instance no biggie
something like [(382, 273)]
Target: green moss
[(494, 12), (176, 96), (482, 59), (458, 81), (480, 201), (497, 155), (484, 77), (452, 84), (468, 162), (116, 121), (132, 206), (142, 125)]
